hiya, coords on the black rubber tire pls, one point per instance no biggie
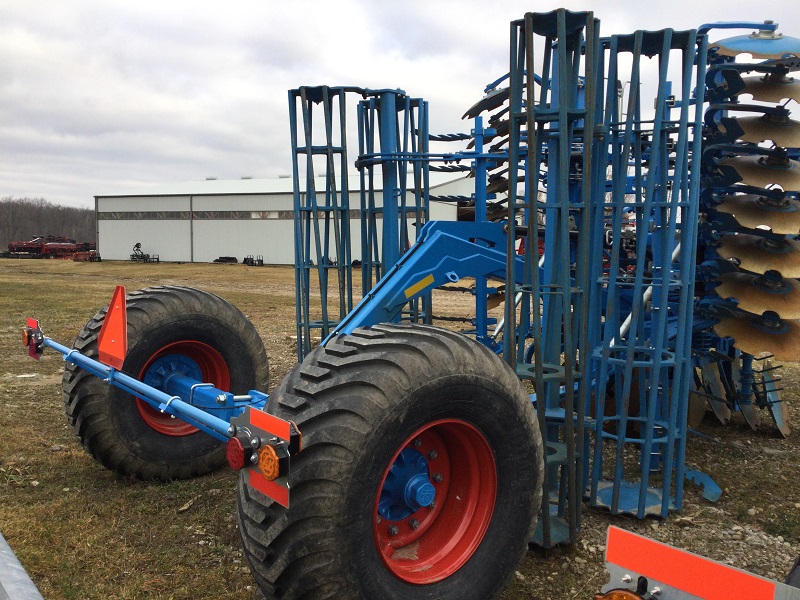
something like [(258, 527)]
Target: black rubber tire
[(793, 578), (355, 401), (107, 420)]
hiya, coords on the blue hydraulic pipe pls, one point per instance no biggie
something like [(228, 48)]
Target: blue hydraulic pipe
[(391, 190), (172, 405)]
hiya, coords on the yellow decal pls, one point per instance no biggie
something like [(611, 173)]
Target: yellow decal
[(420, 285)]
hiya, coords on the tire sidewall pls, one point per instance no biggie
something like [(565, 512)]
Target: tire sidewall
[(488, 407)]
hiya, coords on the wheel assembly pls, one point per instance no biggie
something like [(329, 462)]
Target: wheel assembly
[(420, 475), (171, 331)]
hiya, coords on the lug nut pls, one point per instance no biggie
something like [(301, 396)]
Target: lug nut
[(433, 454), (394, 530), (437, 477), (417, 443), (414, 524)]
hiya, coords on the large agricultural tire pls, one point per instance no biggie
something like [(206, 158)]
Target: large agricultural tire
[(179, 328), (373, 406)]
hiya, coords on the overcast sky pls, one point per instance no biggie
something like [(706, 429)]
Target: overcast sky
[(102, 96)]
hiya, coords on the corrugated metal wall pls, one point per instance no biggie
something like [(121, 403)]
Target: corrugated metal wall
[(201, 228)]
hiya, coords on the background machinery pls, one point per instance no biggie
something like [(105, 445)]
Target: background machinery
[(431, 458)]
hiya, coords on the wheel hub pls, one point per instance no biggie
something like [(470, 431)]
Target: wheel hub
[(435, 501), (407, 487), (171, 364)]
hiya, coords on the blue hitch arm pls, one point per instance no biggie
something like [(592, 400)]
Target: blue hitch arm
[(445, 252), (256, 441), (167, 403)]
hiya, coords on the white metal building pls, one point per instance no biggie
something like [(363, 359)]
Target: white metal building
[(201, 221)]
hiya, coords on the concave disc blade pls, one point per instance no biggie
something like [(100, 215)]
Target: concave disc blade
[(758, 129), (753, 339), (697, 406), (756, 255), (767, 89), (758, 45), (756, 172), (756, 298), (489, 102), (717, 397), (767, 389), (753, 211)]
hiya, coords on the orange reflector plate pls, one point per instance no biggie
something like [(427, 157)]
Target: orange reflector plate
[(269, 488), (112, 343), (682, 570), (271, 424)]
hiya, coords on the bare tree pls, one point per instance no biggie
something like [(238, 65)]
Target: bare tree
[(21, 219)]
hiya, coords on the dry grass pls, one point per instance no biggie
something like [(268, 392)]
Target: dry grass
[(83, 532)]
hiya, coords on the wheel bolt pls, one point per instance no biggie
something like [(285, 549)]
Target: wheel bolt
[(394, 530), (437, 477), (414, 524), (417, 443), (433, 454)]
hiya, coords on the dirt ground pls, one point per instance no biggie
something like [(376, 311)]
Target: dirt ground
[(83, 532)]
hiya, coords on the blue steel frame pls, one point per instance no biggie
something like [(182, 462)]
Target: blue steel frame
[(321, 218), (551, 154), (643, 362)]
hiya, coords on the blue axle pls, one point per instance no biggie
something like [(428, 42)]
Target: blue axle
[(185, 398)]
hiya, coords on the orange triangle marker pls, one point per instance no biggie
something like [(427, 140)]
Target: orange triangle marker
[(112, 343)]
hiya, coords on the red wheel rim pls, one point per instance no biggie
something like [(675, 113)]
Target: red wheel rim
[(436, 541), (213, 368)]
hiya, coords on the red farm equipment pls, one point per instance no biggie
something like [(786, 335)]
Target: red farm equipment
[(430, 458), (48, 246)]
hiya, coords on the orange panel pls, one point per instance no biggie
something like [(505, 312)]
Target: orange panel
[(112, 343), (683, 570), (270, 424), (269, 488)]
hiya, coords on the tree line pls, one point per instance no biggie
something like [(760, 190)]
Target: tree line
[(24, 218)]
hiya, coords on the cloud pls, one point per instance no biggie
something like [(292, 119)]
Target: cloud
[(97, 96)]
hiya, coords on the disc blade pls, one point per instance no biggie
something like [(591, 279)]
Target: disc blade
[(697, 406), (780, 416), (770, 89), (716, 392), (770, 395), (756, 172), (785, 133), (756, 294), (763, 44), (754, 339), (489, 102), (755, 212), (757, 254)]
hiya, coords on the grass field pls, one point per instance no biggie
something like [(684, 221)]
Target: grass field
[(83, 532)]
